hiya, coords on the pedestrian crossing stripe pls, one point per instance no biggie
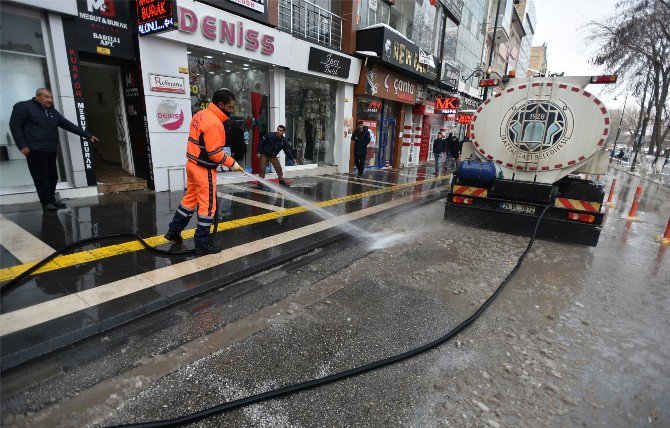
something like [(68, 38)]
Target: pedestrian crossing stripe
[(479, 192), (95, 254)]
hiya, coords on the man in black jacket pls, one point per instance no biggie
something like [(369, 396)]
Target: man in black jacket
[(439, 147), (361, 139), (34, 125), (268, 148)]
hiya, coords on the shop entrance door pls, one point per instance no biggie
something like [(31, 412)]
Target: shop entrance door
[(386, 141), (106, 115)]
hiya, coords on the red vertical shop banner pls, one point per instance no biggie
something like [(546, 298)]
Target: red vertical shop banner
[(255, 129), (425, 140)]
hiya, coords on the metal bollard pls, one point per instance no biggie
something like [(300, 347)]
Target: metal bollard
[(609, 198), (636, 199)]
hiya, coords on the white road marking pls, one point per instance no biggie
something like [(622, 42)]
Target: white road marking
[(21, 244), (42, 312), (342, 180), (250, 202)]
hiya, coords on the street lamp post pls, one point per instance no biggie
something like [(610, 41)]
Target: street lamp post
[(618, 130), (493, 42)]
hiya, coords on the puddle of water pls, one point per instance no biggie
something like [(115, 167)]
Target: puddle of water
[(375, 240)]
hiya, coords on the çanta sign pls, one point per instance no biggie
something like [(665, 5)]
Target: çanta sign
[(104, 27), (446, 105), (328, 63), (383, 83), (232, 33), (172, 84), (169, 115), (154, 16)]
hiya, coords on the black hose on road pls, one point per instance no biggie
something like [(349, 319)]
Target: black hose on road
[(9, 286), (291, 389)]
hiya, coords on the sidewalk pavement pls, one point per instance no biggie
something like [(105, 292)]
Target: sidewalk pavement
[(101, 286)]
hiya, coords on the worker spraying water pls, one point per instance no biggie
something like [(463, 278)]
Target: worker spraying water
[(204, 153)]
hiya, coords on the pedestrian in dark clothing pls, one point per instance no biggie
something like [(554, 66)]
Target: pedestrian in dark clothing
[(268, 148), (360, 138), (439, 147), (454, 146), (34, 125)]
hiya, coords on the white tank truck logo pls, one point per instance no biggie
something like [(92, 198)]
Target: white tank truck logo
[(539, 129)]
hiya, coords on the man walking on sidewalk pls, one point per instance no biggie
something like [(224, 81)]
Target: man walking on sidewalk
[(34, 125), (439, 147), (361, 138), (204, 153), (268, 148)]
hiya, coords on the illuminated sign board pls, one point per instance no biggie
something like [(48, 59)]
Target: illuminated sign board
[(446, 105), (154, 16), (465, 118)]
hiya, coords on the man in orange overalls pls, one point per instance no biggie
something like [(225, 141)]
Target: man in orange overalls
[(204, 154)]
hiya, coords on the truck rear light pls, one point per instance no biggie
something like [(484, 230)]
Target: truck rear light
[(606, 78), (585, 218), (489, 82), (462, 200)]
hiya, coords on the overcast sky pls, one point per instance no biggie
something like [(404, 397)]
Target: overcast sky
[(558, 25)]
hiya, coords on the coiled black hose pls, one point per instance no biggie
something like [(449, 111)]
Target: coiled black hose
[(291, 389)]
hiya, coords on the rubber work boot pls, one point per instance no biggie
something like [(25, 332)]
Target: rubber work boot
[(208, 248), (284, 183), (50, 207), (60, 205), (174, 237)]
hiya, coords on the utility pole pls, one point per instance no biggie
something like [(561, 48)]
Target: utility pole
[(493, 43)]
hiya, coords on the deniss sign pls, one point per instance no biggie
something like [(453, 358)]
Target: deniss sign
[(226, 31)]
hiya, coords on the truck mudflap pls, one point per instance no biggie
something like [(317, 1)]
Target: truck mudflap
[(519, 218)]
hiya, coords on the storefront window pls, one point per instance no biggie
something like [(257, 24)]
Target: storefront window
[(244, 77), (23, 67), (310, 118)]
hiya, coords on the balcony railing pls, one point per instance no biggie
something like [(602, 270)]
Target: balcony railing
[(311, 22)]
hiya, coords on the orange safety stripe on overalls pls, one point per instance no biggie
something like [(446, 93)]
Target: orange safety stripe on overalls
[(207, 139)]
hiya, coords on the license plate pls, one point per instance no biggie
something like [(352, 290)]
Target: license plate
[(520, 208)]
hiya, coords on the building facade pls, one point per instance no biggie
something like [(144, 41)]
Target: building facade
[(538, 60)]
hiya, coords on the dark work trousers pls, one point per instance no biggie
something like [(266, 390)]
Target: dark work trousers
[(275, 163), (359, 161), (42, 166)]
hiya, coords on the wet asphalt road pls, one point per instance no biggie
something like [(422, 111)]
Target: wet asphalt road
[(579, 337)]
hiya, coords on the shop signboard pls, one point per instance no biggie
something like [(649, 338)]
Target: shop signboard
[(329, 63), (394, 49), (70, 34), (380, 82), (200, 25), (171, 84), (253, 9), (105, 27), (447, 105), (155, 16), (169, 115), (464, 118)]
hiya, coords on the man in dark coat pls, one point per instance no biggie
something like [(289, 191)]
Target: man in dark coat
[(34, 125), (439, 147), (360, 138), (268, 148), (454, 148)]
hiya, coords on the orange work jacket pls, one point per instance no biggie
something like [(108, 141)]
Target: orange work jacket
[(206, 139)]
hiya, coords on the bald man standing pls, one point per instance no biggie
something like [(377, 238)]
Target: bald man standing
[(34, 125)]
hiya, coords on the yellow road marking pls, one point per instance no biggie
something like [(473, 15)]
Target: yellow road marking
[(80, 257)]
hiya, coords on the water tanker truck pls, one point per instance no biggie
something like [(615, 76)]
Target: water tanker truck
[(534, 144)]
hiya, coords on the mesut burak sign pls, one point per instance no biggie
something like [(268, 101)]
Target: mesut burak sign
[(105, 27), (171, 84)]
